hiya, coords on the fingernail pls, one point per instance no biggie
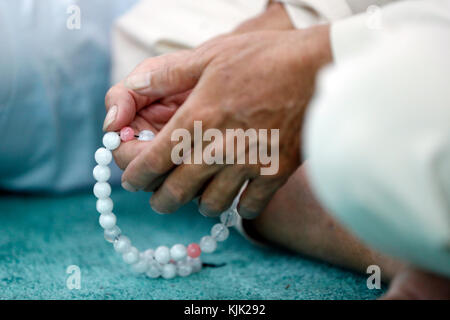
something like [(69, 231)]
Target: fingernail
[(204, 210), (138, 81), (110, 117), (196, 200), (246, 214), (127, 186), (154, 207)]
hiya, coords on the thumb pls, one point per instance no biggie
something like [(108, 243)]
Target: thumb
[(167, 75)]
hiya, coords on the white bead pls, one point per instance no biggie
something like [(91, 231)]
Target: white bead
[(178, 252), (229, 217), (146, 135), (184, 269), (101, 173), (162, 254), (220, 232), (107, 220), (196, 264), (104, 205), (153, 270), (169, 271), (103, 156), (148, 254), (111, 140), (131, 256), (140, 266), (208, 244), (102, 190), (112, 234), (122, 245)]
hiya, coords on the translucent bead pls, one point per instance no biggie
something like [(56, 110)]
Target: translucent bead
[(131, 256), (103, 156), (229, 217), (112, 234), (220, 232), (184, 268), (105, 205), (153, 270), (162, 255), (102, 190), (208, 244), (178, 252), (148, 254), (193, 250), (107, 220), (122, 245), (169, 271), (101, 173), (196, 264), (140, 266), (111, 140), (146, 135)]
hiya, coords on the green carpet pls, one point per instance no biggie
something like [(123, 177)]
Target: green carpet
[(41, 236)]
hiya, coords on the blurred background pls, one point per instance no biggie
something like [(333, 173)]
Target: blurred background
[(53, 77)]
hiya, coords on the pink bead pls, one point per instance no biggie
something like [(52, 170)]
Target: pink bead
[(193, 250), (127, 134)]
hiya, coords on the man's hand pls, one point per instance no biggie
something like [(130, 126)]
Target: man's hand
[(260, 80), (127, 108)]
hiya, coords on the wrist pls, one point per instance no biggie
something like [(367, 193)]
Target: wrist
[(318, 45)]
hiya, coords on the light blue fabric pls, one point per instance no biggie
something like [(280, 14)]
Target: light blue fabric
[(52, 86)]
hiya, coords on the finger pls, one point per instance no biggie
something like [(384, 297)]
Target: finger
[(158, 114), (156, 160), (222, 190), (127, 151), (121, 105), (181, 186), (167, 75), (256, 196)]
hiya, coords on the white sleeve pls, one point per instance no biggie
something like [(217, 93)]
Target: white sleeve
[(304, 13), (154, 27), (377, 135)]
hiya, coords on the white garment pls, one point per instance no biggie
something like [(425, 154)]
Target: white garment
[(155, 27), (304, 13), (378, 134)]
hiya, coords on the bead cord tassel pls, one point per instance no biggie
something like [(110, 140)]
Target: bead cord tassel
[(165, 262)]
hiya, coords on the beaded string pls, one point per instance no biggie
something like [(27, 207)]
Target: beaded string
[(179, 260)]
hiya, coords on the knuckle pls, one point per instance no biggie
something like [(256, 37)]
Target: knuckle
[(155, 205), (255, 201), (177, 193)]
